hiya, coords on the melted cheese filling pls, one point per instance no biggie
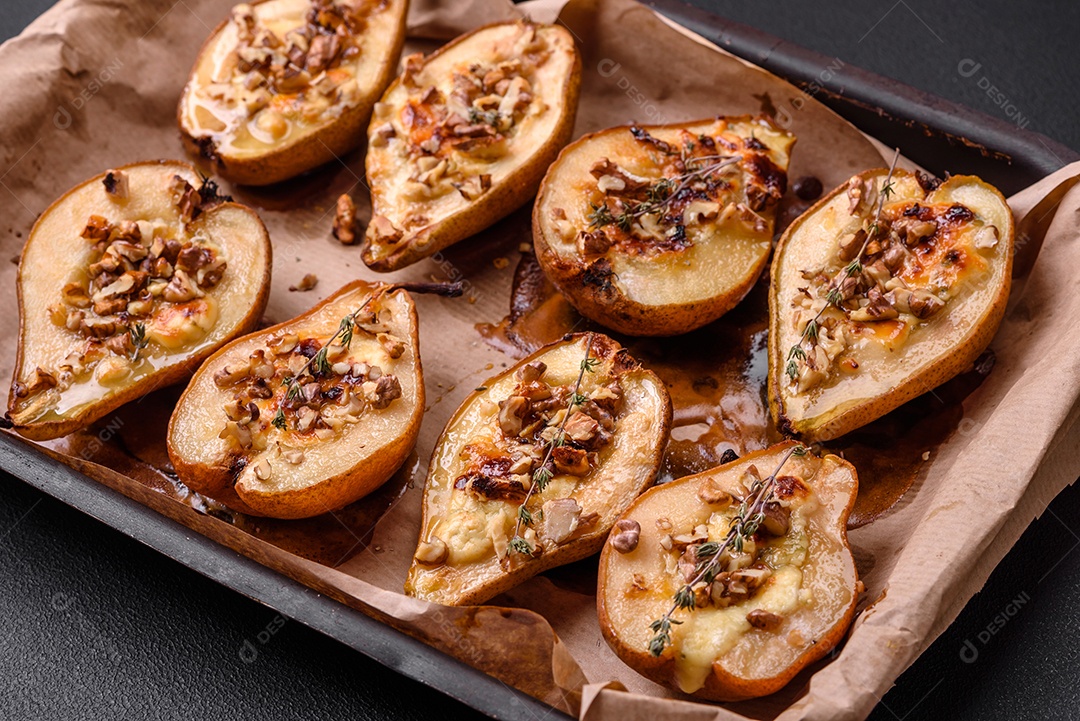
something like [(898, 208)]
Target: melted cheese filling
[(708, 633)]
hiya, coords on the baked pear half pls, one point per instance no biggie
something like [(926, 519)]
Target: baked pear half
[(126, 284), (878, 298), (535, 466), (284, 86), (749, 617), (463, 137), (309, 415), (656, 231)]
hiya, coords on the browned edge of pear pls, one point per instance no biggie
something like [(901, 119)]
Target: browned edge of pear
[(329, 494), (334, 139), (501, 199), (926, 380), (721, 685), (579, 548), (170, 375)]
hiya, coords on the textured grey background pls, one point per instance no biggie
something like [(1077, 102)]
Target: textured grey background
[(93, 625)]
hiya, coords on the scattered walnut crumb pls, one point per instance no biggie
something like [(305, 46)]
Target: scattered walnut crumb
[(525, 248), (306, 283), (345, 220), (500, 263), (116, 184)]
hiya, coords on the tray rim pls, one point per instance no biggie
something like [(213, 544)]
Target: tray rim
[(920, 111)]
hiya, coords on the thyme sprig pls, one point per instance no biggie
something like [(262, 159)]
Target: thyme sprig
[(833, 298), (743, 526), (319, 364), (660, 193), (543, 474), (139, 341)]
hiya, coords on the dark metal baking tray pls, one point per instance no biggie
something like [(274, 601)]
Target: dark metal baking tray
[(940, 135)]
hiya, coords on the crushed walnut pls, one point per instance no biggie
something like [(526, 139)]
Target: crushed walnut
[(528, 419), (741, 574), (277, 387), (703, 179), (345, 220), (308, 282), (450, 130), (899, 268), (140, 275), (309, 66)]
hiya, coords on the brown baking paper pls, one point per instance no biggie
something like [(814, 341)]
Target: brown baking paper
[(91, 86)]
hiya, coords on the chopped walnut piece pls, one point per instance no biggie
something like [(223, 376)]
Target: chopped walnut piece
[(305, 418), (561, 517), (709, 492), (382, 134), (924, 304), (386, 389), (764, 620), (411, 65), (511, 412), (532, 372), (617, 176), (97, 229), (776, 519), (283, 344), (392, 345), (474, 186), (187, 199), (120, 344), (384, 230), (345, 220), (306, 283), (322, 53), (987, 237), (75, 295), (263, 470), (581, 428), (231, 374), (573, 461), (97, 327), (116, 184), (39, 380), (295, 456), (626, 536), (237, 434), (594, 242), (432, 552), (180, 289)]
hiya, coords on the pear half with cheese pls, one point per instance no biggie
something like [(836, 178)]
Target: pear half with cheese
[(305, 417), (656, 231), (463, 137), (284, 86), (869, 309), (126, 284), (533, 469), (777, 606)]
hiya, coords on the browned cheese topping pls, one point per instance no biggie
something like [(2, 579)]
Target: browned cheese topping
[(702, 179), (454, 132), (300, 76), (914, 259), (529, 420)]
